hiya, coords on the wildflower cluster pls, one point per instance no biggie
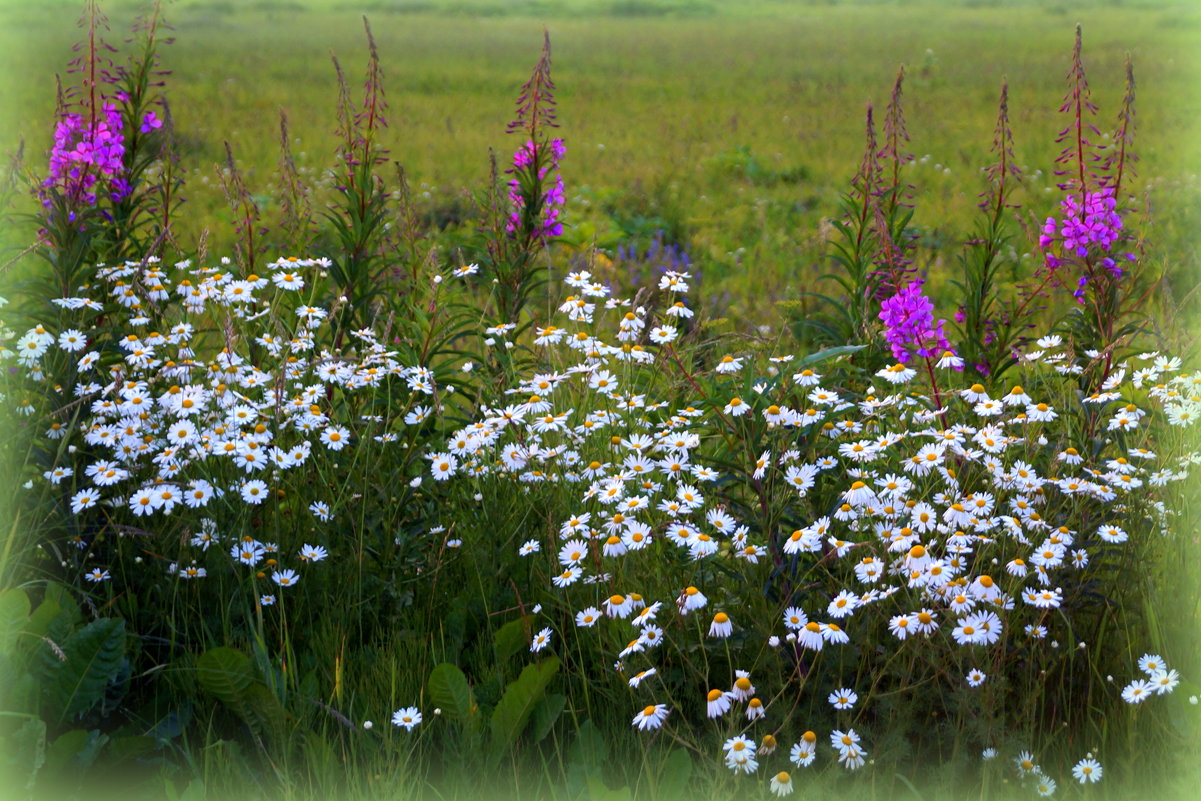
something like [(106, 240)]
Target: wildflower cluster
[(528, 189), (1160, 680), (964, 529), (909, 324), (1087, 233), (88, 153), (172, 420)]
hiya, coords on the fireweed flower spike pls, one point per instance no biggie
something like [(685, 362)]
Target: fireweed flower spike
[(535, 201), (1086, 233), (910, 326), (87, 155)]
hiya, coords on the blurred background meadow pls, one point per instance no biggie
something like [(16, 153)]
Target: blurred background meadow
[(725, 129)]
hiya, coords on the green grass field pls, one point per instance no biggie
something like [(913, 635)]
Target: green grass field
[(732, 127)]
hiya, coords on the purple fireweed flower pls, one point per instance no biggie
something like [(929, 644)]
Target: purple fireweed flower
[(553, 197), (910, 327), (150, 122), (82, 156), (1089, 229)]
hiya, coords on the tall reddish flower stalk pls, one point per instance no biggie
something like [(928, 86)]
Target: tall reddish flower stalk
[(535, 201)]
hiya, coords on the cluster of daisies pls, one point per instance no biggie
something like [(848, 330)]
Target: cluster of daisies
[(1160, 680), (958, 522), (1087, 771), (183, 419)]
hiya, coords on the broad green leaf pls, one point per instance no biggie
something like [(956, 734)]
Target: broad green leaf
[(448, 689), (94, 657), (68, 609), (126, 748), (511, 638), (225, 673), (516, 705), (24, 753), (18, 688), (74, 751), (589, 751), (14, 614), (262, 711), (172, 724), (47, 612), (546, 712), (599, 791), (673, 780)]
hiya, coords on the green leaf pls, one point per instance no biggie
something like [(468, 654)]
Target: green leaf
[(24, 753), (94, 657), (14, 614), (226, 674), (673, 780), (18, 687), (515, 706), (829, 353), (74, 751), (511, 638), (47, 612), (126, 748), (262, 711), (68, 609), (448, 689), (599, 791), (546, 713), (171, 725), (590, 750)]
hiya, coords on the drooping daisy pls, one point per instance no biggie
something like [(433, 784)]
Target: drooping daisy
[(805, 751), (313, 553), (721, 627), (651, 717), (755, 709), (540, 641), (717, 703), (638, 677), (781, 784), (691, 599), (619, 606), (285, 578)]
